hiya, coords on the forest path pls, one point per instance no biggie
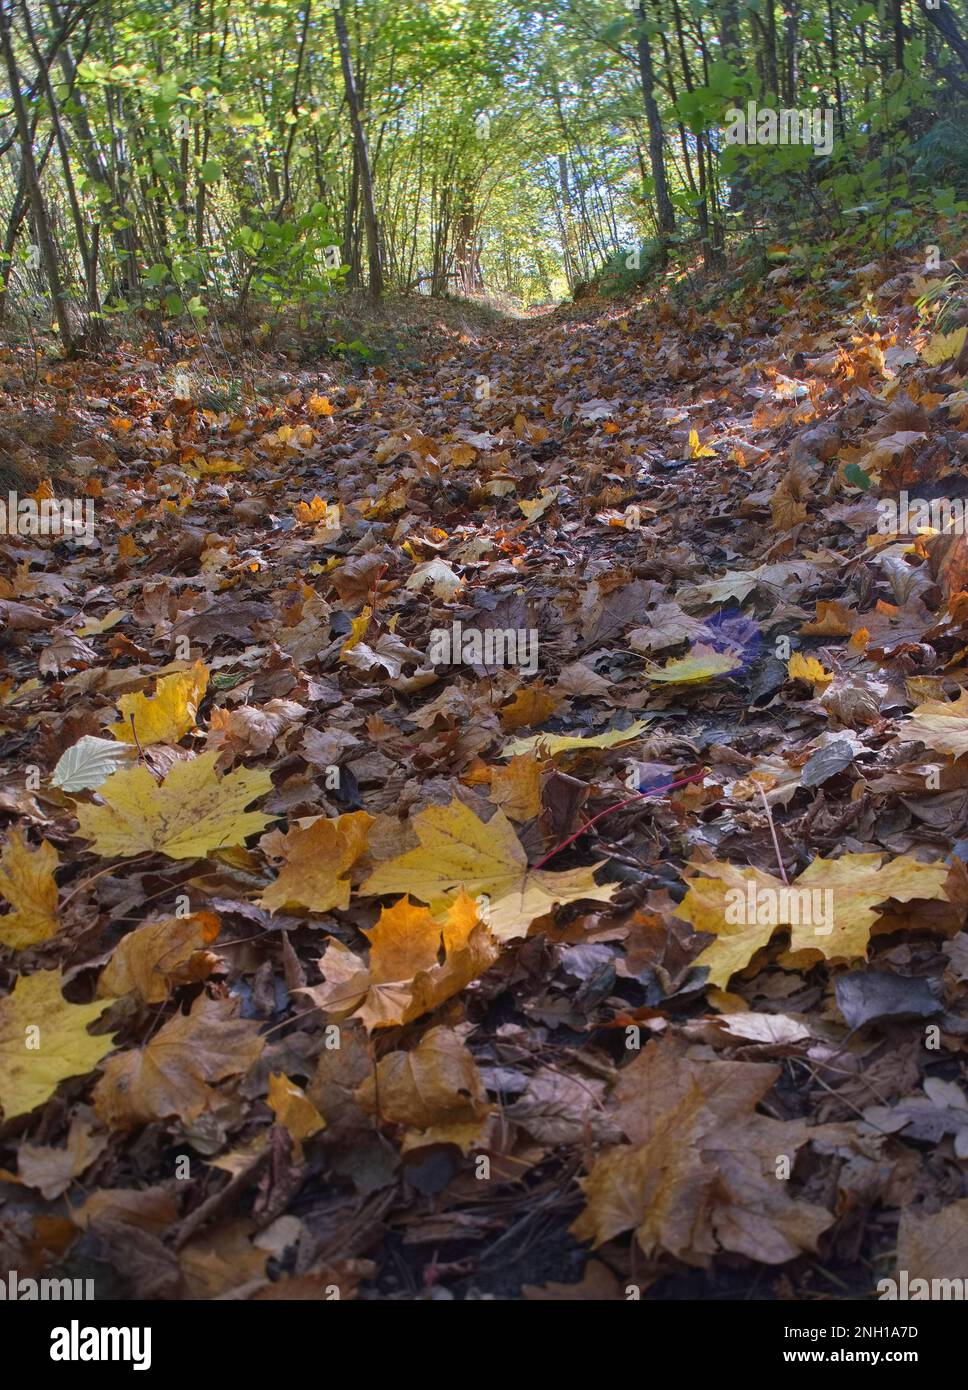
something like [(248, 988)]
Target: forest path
[(527, 599)]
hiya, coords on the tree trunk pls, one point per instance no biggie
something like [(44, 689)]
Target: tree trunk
[(363, 159), (87, 247), (38, 207), (946, 25), (665, 217), (465, 248)]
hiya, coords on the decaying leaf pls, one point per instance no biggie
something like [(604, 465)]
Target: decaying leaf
[(153, 959), (698, 1176), (315, 861), (433, 1091), (170, 1075)]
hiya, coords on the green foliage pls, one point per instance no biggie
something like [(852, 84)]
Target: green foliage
[(510, 146)]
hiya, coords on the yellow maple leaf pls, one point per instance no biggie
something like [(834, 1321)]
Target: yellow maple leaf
[(27, 884), (216, 465), (940, 724), (166, 716), (856, 884), (705, 906), (551, 744), (697, 450), (316, 859), (808, 668), (405, 977), (830, 908), (44, 1040), (319, 405), (458, 850), (317, 513), (701, 663), (944, 347), (192, 812), (170, 1075)]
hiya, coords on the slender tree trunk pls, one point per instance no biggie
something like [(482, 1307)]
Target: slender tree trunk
[(791, 46), (45, 240), (363, 159), (85, 245), (665, 217), (947, 26), (465, 246), (835, 65)]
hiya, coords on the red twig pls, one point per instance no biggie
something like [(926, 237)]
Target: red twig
[(653, 791)]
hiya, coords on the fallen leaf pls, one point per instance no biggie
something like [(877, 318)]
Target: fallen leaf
[(52, 1170), (166, 716), (89, 762), (830, 907), (151, 960), (516, 788), (293, 1109), (434, 1091), (170, 1074), (458, 850), (940, 724), (192, 812), (405, 977), (702, 663), (549, 745), (43, 1041), (27, 884), (315, 862), (808, 668)]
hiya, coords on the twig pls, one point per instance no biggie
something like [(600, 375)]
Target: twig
[(141, 753), (776, 842)]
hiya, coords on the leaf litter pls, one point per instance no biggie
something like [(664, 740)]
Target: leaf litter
[(458, 847)]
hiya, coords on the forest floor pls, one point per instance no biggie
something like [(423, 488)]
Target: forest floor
[(720, 666)]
